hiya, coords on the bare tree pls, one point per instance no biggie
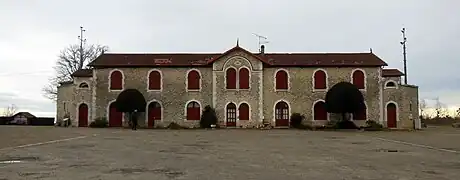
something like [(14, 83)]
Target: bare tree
[(440, 108), (10, 110), (422, 105), (68, 62)]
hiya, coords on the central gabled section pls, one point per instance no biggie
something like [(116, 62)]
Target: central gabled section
[(237, 82)]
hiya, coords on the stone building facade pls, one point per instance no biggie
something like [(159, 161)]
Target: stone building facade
[(246, 89)]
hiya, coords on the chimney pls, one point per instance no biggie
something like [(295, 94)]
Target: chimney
[(262, 49)]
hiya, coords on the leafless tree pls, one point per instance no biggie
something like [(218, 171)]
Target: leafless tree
[(68, 62), (10, 110), (440, 108), (422, 105)]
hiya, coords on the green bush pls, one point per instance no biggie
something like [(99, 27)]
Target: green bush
[(174, 125), (296, 121), (208, 117), (374, 124), (343, 124), (100, 122)]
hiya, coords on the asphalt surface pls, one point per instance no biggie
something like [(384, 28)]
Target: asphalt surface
[(84, 153)]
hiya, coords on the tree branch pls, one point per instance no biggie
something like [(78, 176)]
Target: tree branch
[(67, 63)]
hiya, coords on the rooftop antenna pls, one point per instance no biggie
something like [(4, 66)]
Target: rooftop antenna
[(403, 43), (261, 40), (82, 40)]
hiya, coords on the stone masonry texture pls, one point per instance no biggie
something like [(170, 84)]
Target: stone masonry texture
[(261, 96)]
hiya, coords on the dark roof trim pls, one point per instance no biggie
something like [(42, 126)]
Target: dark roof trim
[(269, 59), (83, 73), (391, 73)]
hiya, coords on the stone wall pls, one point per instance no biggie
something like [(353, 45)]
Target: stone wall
[(261, 96), (71, 96), (406, 99), (173, 96), (300, 97), (65, 104), (252, 96)]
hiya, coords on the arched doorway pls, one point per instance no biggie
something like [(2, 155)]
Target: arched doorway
[(83, 115), (392, 111), (231, 115), (115, 117), (281, 114), (319, 111), (154, 113)]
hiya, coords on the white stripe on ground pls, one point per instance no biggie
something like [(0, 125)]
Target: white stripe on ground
[(43, 143), (419, 145)]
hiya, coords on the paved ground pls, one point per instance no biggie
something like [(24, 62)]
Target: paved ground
[(82, 153)]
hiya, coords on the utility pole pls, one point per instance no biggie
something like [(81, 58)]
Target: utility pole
[(80, 66), (403, 43)]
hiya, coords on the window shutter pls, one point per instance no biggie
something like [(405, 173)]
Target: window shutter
[(231, 78), (155, 80), (244, 78), (281, 80), (320, 79), (244, 112), (193, 80), (116, 80), (358, 79)]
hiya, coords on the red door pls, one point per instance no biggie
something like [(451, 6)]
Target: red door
[(231, 115), (391, 115), (154, 113), (281, 114), (193, 111), (83, 115), (115, 117)]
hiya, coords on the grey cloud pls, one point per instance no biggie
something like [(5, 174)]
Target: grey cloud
[(34, 106)]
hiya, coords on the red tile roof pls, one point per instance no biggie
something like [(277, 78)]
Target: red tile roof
[(83, 73), (391, 73), (270, 59)]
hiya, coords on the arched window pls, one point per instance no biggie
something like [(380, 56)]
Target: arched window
[(319, 111), (231, 78), (116, 80), (193, 80), (243, 111), (320, 79), (155, 80), (390, 84), (83, 85), (244, 78), (281, 80), (193, 111), (359, 79)]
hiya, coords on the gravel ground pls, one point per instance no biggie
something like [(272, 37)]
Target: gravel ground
[(83, 153)]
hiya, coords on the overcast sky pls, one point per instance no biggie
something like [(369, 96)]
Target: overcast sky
[(34, 31)]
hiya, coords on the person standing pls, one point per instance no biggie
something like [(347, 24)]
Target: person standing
[(134, 120)]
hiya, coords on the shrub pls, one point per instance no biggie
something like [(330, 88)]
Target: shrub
[(174, 125), (456, 125), (100, 122), (343, 98), (373, 126), (208, 117), (296, 120), (343, 124), (346, 125)]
